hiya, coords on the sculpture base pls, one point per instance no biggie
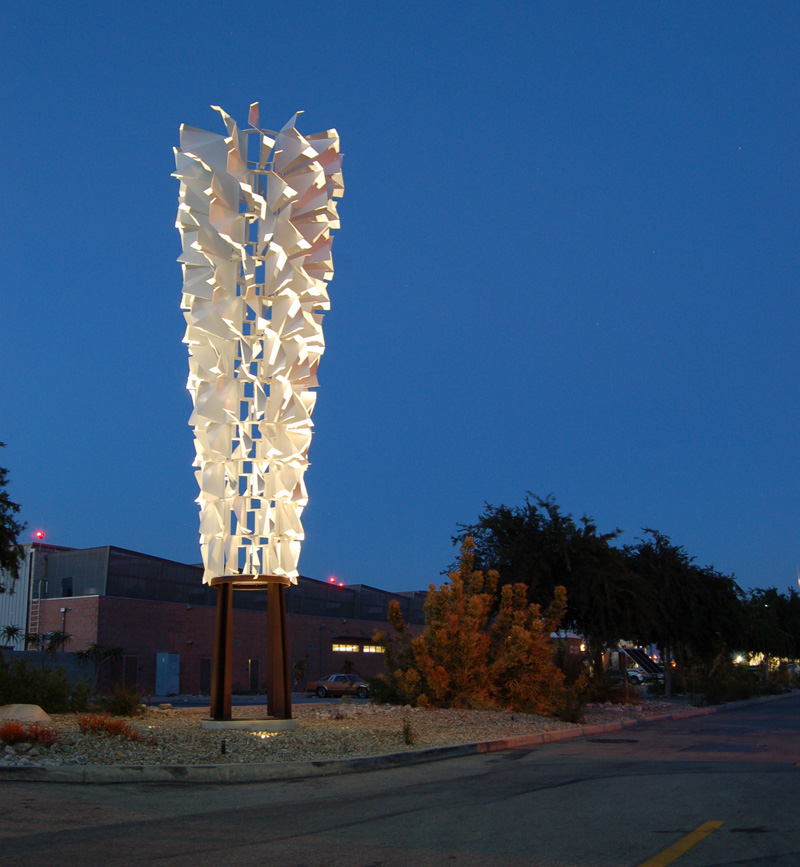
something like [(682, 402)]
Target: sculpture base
[(279, 700), (250, 725)]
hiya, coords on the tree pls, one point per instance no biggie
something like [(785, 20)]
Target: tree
[(34, 640), (771, 626), (522, 673), (697, 611), (401, 685), (525, 544), (299, 669), (57, 640), (98, 655), (790, 620), (451, 656), (666, 569), (607, 600), (539, 546), (49, 643), (9, 634), (11, 553)]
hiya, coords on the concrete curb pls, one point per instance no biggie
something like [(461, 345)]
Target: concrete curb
[(252, 773)]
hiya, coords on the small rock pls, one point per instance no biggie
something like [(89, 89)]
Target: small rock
[(165, 706), (81, 760), (21, 749)]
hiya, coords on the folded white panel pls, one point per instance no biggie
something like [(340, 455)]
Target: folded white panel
[(256, 256)]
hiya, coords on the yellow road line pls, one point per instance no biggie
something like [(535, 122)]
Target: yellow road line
[(683, 845)]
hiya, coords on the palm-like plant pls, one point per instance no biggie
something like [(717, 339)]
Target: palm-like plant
[(56, 641), (98, 654), (33, 640), (9, 634), (49, 643)]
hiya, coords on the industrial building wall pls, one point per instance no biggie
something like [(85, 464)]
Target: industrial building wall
[(59, 573), (14, 608), (79, 620), (144, 628), (14, 602)]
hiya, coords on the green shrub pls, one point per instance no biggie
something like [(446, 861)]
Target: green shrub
[(596, 690), (21, 682), (408, 732), (772, 687), (122, 701), (568, 703), (383, 691), (717, 680), (605, 688), (720, 693)]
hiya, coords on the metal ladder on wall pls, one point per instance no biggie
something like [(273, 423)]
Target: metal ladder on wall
[(33, 616), (34, 609)]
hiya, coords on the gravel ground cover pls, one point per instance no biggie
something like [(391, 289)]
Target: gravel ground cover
[(325, 732)]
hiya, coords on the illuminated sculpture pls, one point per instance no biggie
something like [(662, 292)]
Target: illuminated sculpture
[(255, 217)]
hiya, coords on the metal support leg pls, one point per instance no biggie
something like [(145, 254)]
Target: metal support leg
[(223, 651), (279, 695)]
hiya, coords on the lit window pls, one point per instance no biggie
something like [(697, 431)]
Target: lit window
[(345, 648), (373, 648)]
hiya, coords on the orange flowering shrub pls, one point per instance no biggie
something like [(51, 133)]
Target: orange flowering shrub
[(45, 736), (15, 733), (98, 724), (476, 650), (523, 674)]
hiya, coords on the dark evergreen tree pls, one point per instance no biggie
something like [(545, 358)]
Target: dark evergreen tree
[(697, 611), (11, 553), (539, 546)]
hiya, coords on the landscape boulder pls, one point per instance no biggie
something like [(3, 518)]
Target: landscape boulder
[(23, 713)]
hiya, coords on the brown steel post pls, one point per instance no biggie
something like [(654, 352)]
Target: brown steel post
[(279, 696), (223, 651)]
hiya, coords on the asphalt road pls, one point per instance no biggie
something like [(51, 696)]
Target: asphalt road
[(620, 800)]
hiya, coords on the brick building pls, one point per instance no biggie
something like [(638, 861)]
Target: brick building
[(162, 616)]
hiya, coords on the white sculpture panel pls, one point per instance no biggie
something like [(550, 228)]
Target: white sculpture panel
[(255, 217)]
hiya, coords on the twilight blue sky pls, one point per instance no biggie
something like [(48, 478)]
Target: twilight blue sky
[(568, 264)]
